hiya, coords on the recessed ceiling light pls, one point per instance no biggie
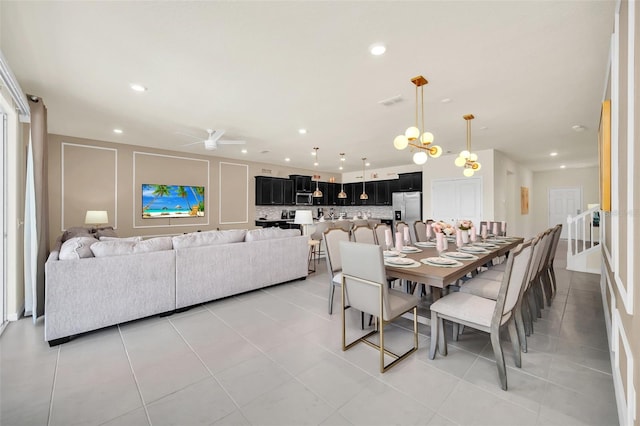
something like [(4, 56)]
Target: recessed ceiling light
[(244, 150), (302, 131), (562, 166), (340, 168), (377, 49), (578, 128), (118, 131), (313, 153), (287, 159), (445, 100), (138, 87), (553, 154), (367, 164)]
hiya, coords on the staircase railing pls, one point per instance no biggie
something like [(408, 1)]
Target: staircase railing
[(583, 232)]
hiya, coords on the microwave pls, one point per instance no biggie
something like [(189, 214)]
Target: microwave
[(304, 199)]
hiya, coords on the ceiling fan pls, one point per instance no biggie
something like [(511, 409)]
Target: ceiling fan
[(214, 139)]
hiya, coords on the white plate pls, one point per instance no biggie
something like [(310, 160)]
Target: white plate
[(459, 255), (497, 241), (410, 249), (425, 244), (485, 245), (440, 261), (390, 253), (472, 249), (399, 261)]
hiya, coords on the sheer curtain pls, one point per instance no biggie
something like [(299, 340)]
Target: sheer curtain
[(36, 211)]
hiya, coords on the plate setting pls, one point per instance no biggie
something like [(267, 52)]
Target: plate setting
[(410, 249), (401, 262), (472, 249), (485, 245), (459, 255), (392, 253), (425, 244), (442, 262)]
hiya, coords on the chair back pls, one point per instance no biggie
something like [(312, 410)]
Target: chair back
[(360, 222), (379, 230), (332, 238), (363, 234), (538, 249), (420, 229), (319, 232), (343, 224), (554, 244), (546, 241), (400, 225), (512, 281), (364, 278)]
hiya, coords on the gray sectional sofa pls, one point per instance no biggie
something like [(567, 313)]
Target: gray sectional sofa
[(125, 280)]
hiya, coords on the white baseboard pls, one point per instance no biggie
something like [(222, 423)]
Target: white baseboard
[(15, 316)]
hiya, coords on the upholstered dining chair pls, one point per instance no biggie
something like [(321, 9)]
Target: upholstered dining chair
[(550, 273), (485, 314), (380, 230), (364, 287), (363, 234), (332, 238), (318, 235), (420, 229)]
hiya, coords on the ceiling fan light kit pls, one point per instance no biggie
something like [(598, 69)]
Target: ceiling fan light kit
[(416, 138)]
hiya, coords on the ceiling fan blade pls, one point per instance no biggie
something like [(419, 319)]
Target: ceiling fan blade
[(192, 143), (190, 135), (214, 135), (231, 142)]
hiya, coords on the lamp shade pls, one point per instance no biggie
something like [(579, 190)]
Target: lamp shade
[(96, 217), (303, 217)]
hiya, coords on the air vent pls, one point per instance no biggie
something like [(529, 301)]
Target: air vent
[(264, 152), (391, 101), (268, 171)]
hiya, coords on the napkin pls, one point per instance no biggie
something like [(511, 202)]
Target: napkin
[(503, 227), (459, 237), (388, 240), (406, 233), (473, 234), (440, 240), (495, 228), (399, 241), (483, 231), (429, 231)]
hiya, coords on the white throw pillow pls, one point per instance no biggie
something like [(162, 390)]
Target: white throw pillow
[(112, 248), (76, 248), (131, 239), (198, 239), (153, 244), (270, 233)]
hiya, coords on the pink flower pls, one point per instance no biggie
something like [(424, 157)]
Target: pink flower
[(442, 227), (465, 225)]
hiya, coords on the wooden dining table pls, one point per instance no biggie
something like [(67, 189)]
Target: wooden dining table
[(438, 277)]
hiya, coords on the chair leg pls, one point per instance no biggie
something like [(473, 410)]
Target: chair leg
[(515, 342), (332, 290), (442, 338), (434, 335), (553, 278), (546, 284), (497, 352), (456, 331), (522, 335)]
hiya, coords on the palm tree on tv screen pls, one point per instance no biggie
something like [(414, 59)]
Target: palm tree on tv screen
[(158, 191), (199, 191), (182, 193)]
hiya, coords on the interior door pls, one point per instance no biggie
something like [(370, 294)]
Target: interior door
[(564, 202), (456, 199)]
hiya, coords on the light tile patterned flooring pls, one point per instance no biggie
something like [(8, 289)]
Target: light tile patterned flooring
[(273, 357)]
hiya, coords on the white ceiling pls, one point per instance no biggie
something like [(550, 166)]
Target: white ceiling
[(528, 71)]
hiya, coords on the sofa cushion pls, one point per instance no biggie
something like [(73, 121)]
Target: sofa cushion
[(130, 239), (153, 244), (105, 231), (198, 239), (270, 233), (76, 231), (112, 248), (76, 248)]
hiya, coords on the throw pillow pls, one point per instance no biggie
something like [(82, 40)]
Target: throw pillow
[(76, 248), (106, 231), (153, 244), (76, 231), (112, 248), (198, 239), (270, 233), (130, 239)]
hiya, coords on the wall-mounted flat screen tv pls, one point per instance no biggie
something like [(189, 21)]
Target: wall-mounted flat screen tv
[(168, 201)]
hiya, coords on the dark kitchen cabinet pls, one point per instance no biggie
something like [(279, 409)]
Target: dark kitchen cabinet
[(302, 183), (332, 194), (269, 191), (321, 201), (289, 193), (410, 181), (383, 193)]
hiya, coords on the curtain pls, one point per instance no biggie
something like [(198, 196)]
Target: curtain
[(36, 221)]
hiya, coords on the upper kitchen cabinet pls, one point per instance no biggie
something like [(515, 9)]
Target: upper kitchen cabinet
[(410, 181), (269, 191), (302, 183)]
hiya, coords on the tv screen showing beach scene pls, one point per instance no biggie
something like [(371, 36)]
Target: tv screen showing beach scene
[(167, 201)]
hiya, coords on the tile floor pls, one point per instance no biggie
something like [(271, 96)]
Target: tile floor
[(273, 357)]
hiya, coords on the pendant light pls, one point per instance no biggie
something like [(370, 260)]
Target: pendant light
[(364, 195), (342, 194), (317, 193), (424, 140), (468, 159)]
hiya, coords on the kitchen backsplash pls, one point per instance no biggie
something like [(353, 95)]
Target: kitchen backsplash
[(378, 212)]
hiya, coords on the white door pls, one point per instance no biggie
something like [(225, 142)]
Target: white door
[(564, 202), (456, 199)]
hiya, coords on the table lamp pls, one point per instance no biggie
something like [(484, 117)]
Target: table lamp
[(304, 218), (96, 217)]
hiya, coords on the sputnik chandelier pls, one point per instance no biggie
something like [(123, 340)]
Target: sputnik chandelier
[(413, 136), (468, 159)]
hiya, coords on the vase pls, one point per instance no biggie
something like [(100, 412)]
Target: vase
[(465, 236)]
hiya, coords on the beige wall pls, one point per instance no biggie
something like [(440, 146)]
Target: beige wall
[(621, 247), (95, 175), (509, 177), (584, 178)]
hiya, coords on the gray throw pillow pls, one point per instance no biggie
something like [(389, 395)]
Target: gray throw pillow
[(76, 231), (76, 248), (112, 248), (153, 244)]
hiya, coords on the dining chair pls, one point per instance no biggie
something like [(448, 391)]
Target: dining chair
[(318, 235), (485, 314), (400, 226), (343, 224), (364, 287), (550, 272), (420, 229), (539, 284), (332, 238), (380, 230), (363, 234)]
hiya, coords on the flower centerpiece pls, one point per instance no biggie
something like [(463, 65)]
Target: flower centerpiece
[(465, 225), (442, 227)]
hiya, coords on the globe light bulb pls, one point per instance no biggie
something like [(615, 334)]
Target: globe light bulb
[(473, 157), (435, 151), (468, 172), (460, 162), (477, 166), (420, 157), (412, 133), (400, 142), (426, 138), (465, 154)]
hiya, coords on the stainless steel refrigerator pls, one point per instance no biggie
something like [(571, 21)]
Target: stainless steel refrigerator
[(407, 207)]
